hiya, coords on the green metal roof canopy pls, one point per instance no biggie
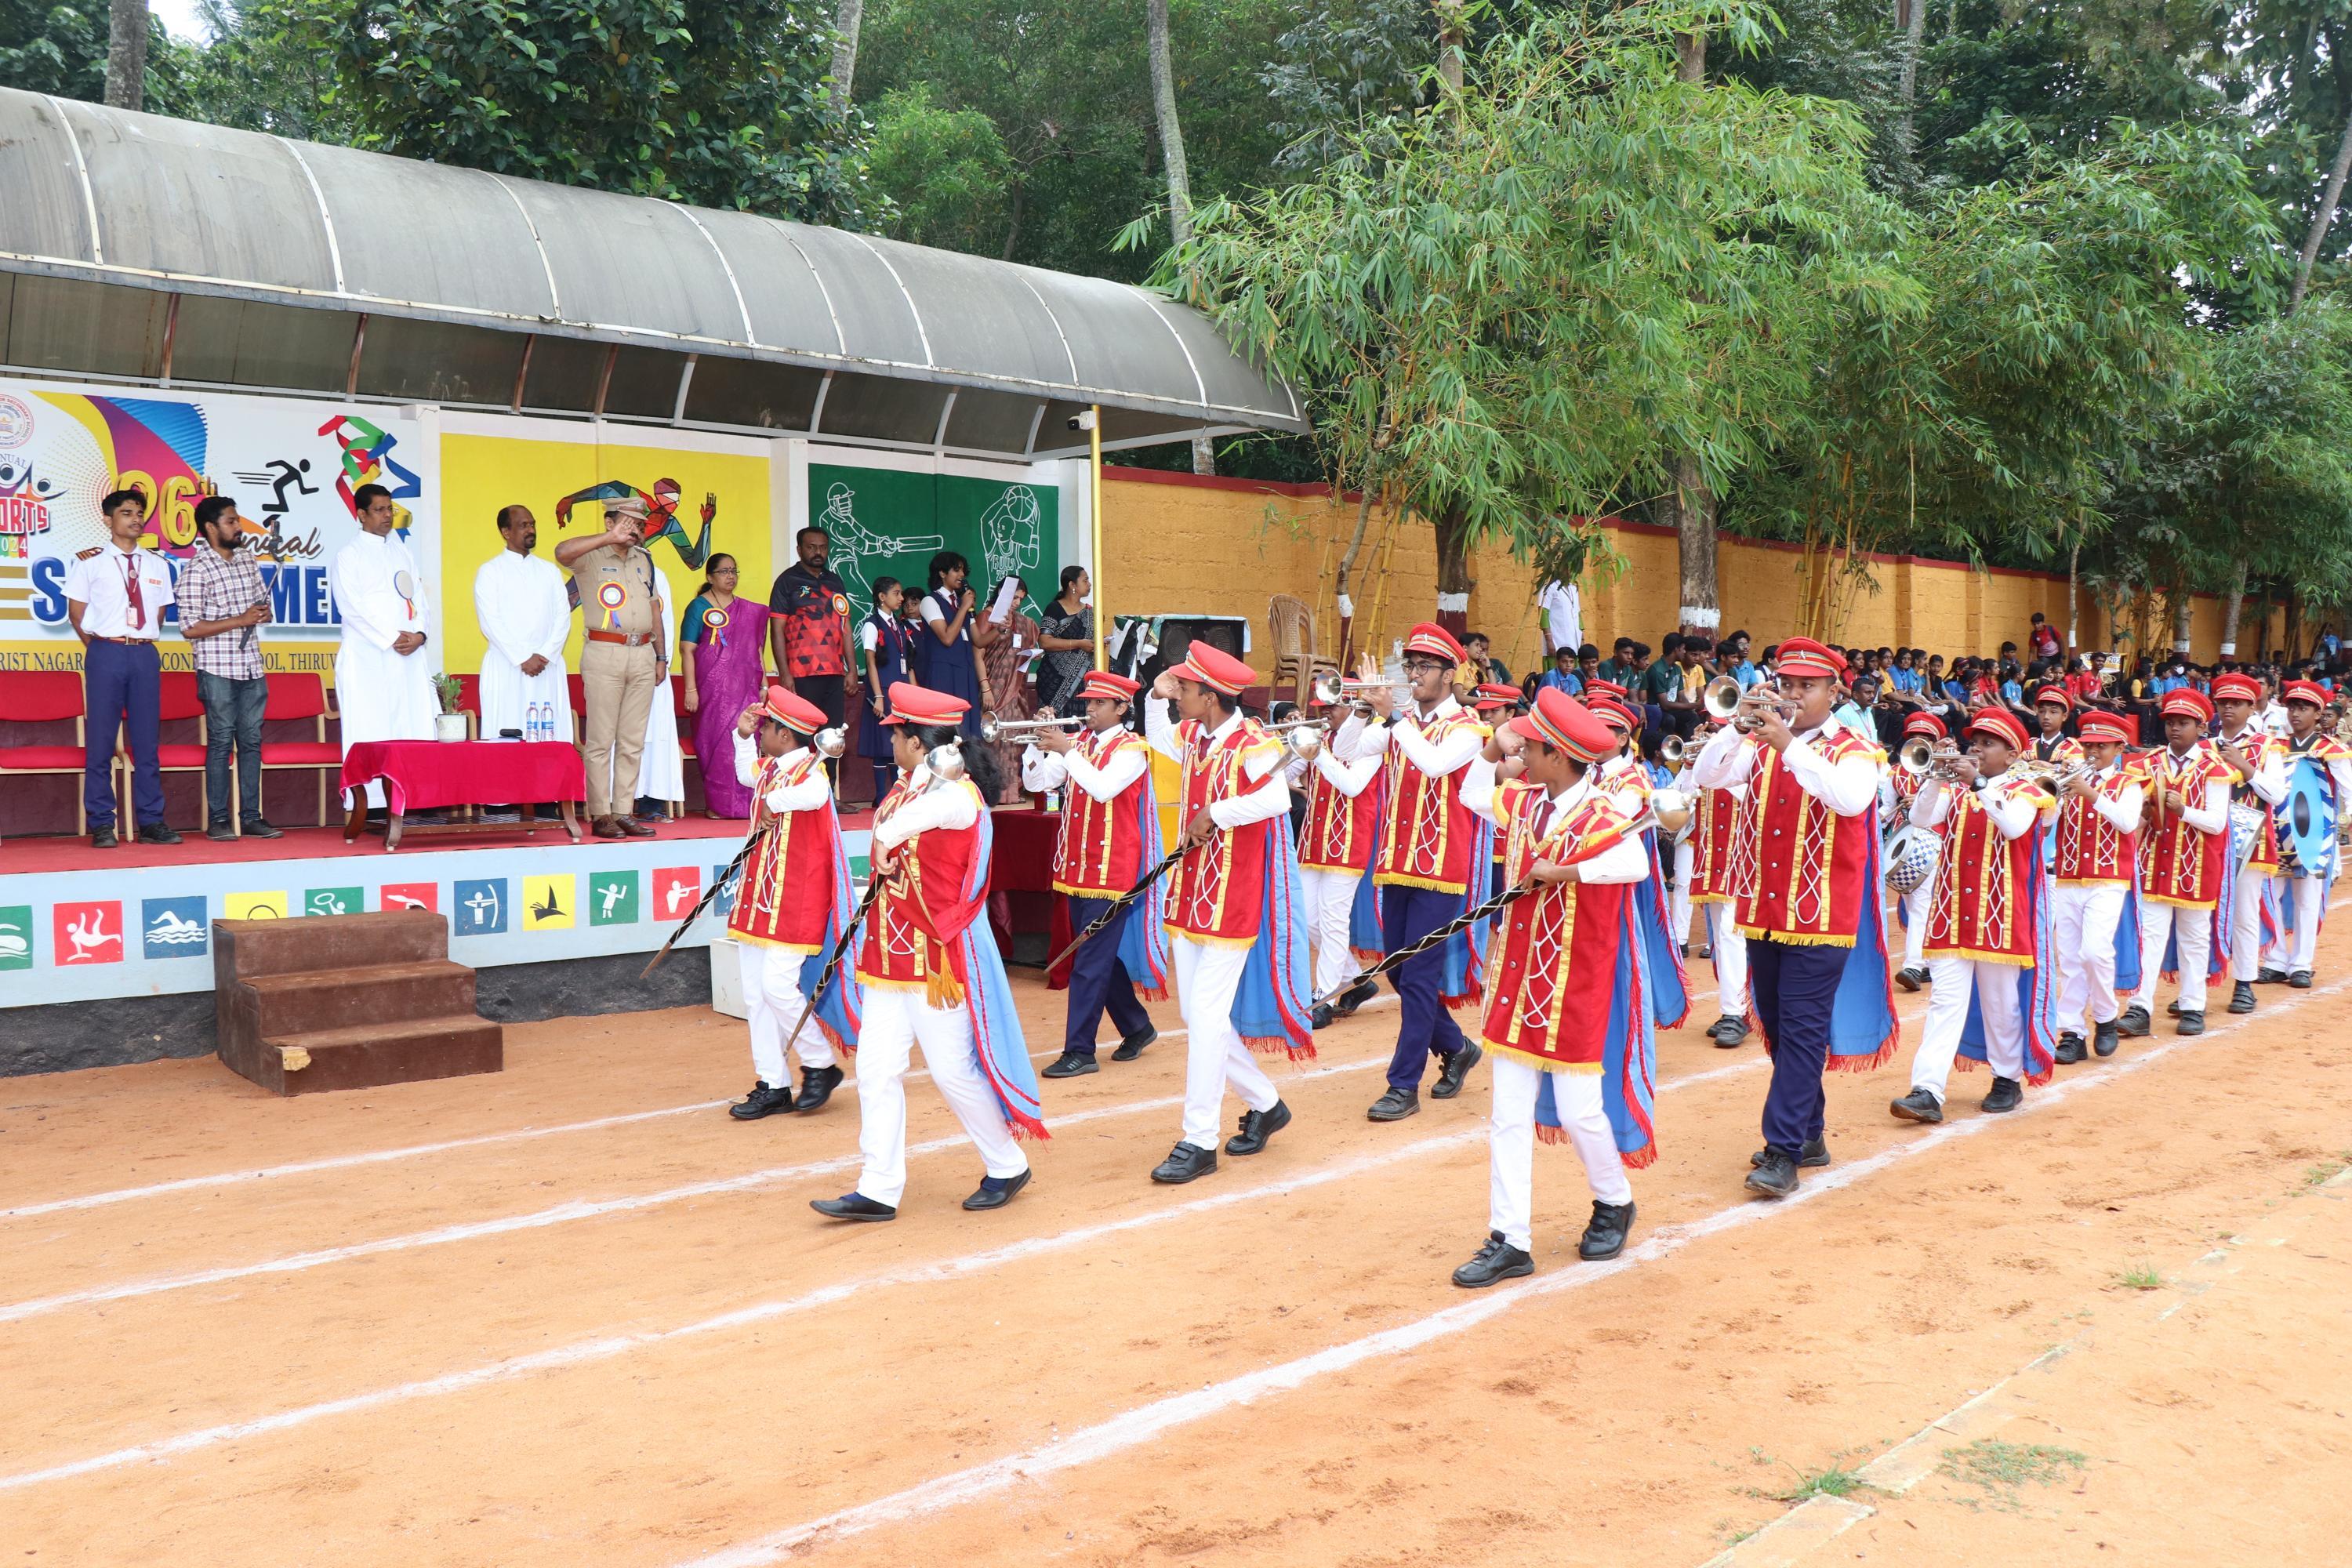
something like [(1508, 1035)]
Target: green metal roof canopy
[(139, 247)]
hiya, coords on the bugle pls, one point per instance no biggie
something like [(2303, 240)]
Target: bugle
[(1670, 750), (1304, 736), (1916, 755), (1008, 729), (1331, 691)]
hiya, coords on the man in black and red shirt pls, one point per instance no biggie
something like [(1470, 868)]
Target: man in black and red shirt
[(809, 629)]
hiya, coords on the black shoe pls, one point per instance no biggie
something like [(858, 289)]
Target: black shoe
[(2070, 1048), (103, 837), (157, 833), (1911, 979), (1185, 1163), (1452, 1070), (1357, 997), (1605, 1231), (1918, 1106), (1072, 1064), (2104, 1038), (1776, 1177), (2300, 980), (1812, 1156), (219, 832), (1395, 1105), (1321, 1017), (2268, 976), (764, 1101), (2173, 1007), (1132, 1046), (2190, 1024), (2007, 1094), (2133, 1024), (1257, 1126), (817, 1085), (1497, 1260), (995, 1191), (2241, 996), (1729, 1030), (256, 828), (854, 1206)]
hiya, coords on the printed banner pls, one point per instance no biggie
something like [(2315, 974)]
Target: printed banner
[(887, 522)]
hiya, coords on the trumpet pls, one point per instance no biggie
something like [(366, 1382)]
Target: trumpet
[(1303, 736), (1916, 756), (1727, 704), (1009, 728), (1670, 750), (1331, 691), (2051, 773)]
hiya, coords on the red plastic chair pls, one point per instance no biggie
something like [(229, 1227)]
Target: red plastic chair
[(46, 696), (301, 696), (176, 698)]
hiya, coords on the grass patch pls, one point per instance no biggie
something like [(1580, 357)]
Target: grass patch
[(2004, 1469), (2141, 1279), (2321, 1171), (1842, 1477)]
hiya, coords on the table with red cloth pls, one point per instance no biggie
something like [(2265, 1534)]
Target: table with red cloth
[(434, 775), (1022, 868)]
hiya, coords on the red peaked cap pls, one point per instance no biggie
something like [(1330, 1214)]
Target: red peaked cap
[(2057, 694), (794, 712), (2309, 691), (1495, 696), (1803, 656), (2236, 686), (1563, 723), (1926, 724), (1616, 714), (2188, 702), (2099, 725), (1434, 641), (1216, 670), (1114, 688), (2000, 723), (912, 704)]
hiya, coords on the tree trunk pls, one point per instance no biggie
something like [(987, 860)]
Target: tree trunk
[(2229, 610), (846, 18), (126, 54), (2074, 616), (1690, 51), (1171, 156), (1914, 36), (1692, 507), (2322, 220), (2184, 610), (1347, 576), (1454, 579), (1451, 38)]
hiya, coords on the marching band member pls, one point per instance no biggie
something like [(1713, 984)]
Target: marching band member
[(1574, 1054), (1337, 847), (2097, 917), (793, 906), (1110, 837), (1431, 864), (1623, 776), (2183, 860), (1707, 879), (931, 971), (2053, 706), (1989, 938), (1806, 865), (1917, 905), (1497, 705), (1233, 908), (2326, 764), (2258, 761)]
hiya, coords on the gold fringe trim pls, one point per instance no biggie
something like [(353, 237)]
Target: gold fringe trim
[(2183, 903), (1758, 933), (1540, 1063), (2092, 881), (941, 991), (1399, 880), (2019, 960), (1072, 890)]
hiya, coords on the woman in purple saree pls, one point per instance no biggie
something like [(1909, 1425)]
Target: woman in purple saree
[(725, 674)]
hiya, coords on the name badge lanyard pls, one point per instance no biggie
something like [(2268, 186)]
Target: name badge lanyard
[(137, 613)]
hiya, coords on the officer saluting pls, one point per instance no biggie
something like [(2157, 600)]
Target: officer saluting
[(116, 595)]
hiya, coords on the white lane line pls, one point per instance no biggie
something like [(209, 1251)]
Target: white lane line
[(607, 1347), (415, 1150), (1135, 1427)]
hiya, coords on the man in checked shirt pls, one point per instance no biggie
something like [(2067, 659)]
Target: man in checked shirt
[(224, 604)]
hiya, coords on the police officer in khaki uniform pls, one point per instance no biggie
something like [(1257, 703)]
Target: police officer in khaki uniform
[(621, 666)]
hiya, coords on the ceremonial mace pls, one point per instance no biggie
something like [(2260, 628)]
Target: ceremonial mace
[(1118, 903)]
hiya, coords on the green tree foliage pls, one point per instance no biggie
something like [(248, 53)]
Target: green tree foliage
[(61, 49), (947, 168)]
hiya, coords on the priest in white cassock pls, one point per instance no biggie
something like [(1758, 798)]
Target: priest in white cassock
[(525, 614), (661, 766), (383, 676)]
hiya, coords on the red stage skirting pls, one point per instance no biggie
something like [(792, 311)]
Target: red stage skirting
[(427, 775)]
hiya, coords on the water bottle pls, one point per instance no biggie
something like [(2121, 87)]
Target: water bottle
[(534, 725)]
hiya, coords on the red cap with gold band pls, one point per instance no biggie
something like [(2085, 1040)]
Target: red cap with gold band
[(1564, 724), (1926, 724), (1616, 714), (1110, 688), (2187, 702), (2309, 691), (1433, 641), (912, 704), (1803, 657), (1216, 670), (1491, 696), (1609, 688), (2057, 694), (794, 712), (2001, 724), (2098, 725), (2236, 687)]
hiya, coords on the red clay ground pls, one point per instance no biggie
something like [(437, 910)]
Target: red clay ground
[(1268, 1366)]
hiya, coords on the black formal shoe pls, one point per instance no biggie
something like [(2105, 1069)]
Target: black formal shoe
[(1452, 1070), (2300, 980), (1185, 1163), (157, 833), (2134, 1023), (1132, 1046), (2104, 1037), (1321, 1017), (995, 1191), (2070, 1048), (256, 828), (1812, 1156), (1918, 1106), (2173, 1006), (1257, 1126), (1605, 1231), (103, 837), (1497, 1260), (1395, 1105), (2241, 996), (2007, 1094), (2190, 1024), (1911, 979), (1729, 1030), (1357, 997), (220, 832), (2268, 976), (1776, 1177), (1072, 1064), (854, 1206), (764, 1101), (817, 1085)]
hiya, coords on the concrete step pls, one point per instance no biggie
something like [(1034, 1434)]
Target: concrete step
[(366, 1055), (335, 999)]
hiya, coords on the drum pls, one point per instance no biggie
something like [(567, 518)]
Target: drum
[(2306, 819), (1910, 855), (2246, 831)]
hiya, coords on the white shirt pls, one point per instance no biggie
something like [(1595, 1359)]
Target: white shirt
[(925, 809), (2012, 811), (1627, 860), (1848, 787), (2269, 777), (806, 795), (1360, 738), (1042, 771), (1349, 777), (1268, 800), (101, 584)]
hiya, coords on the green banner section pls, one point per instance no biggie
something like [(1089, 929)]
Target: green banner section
[(886, 523)]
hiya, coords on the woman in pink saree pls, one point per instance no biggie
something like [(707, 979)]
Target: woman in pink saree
[(724, 675)]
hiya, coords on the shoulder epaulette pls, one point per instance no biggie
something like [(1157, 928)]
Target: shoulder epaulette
[(86, 554)]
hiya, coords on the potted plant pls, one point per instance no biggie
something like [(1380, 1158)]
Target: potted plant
[(449, 724)]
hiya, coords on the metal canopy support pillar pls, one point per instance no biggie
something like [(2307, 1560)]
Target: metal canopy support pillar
[(1094, 518)]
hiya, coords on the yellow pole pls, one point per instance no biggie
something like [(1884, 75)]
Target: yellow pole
[(1094, 516)]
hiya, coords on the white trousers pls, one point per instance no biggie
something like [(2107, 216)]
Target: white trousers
[(2156, 924), (1680, 907), (1917, 905), (1511, 1144), (1207, 975), (2293, 951), (2087, 913), (1725, 939), (1995, 987), (895, 1020), (772, 991), (2246, 924), (1330, 902)]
